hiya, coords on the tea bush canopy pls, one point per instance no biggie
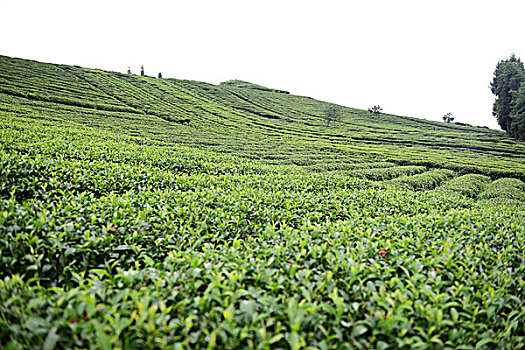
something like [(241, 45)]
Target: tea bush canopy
[(163, 213)]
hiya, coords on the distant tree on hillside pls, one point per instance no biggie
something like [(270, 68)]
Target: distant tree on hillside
[(448, 118), (508, 78), (160, 75), (376, 109), (129, 70), (331, 114), (142, 70)]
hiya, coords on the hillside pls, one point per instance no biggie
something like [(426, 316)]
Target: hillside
[(159, 213), (250, 121)]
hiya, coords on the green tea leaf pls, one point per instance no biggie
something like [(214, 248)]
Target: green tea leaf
[(51, 339)]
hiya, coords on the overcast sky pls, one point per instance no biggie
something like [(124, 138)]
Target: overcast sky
[(417, 58)]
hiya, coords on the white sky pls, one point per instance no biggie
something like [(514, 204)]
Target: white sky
[(413, 57)]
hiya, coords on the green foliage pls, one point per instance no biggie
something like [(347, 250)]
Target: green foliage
[(448, 118), (505, 189), (508, 77), (518, 112), (376, 109), (251, 227), (469, 185), (387, 173), (331, 114), (425, 181)]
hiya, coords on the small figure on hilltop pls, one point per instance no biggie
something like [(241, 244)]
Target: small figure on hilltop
[(129, 70), (142, 70), (376, 109), (448, 118), (160, 75)]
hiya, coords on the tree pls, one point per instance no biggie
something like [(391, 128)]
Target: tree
[(448, 118), (508, 76), (517, 115), (142, 70), (160, 75), (331, 114), (375, 109), (129, 70)]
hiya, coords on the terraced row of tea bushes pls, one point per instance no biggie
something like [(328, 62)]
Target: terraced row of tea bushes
[(380, 174), (505, 189), (332, 165), (425, 181), (470, 185)]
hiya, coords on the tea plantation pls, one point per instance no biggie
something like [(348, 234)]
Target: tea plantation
[(160, 213)]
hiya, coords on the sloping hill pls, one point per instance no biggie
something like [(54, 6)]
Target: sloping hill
[(251, 121), (158, 213)]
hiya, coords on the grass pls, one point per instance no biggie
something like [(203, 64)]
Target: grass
[(251, 226)]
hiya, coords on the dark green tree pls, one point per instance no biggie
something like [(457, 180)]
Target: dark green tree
[(160, 75), (448, 118), (518, 113), (508, 76), (331, 114), (376, 109)]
